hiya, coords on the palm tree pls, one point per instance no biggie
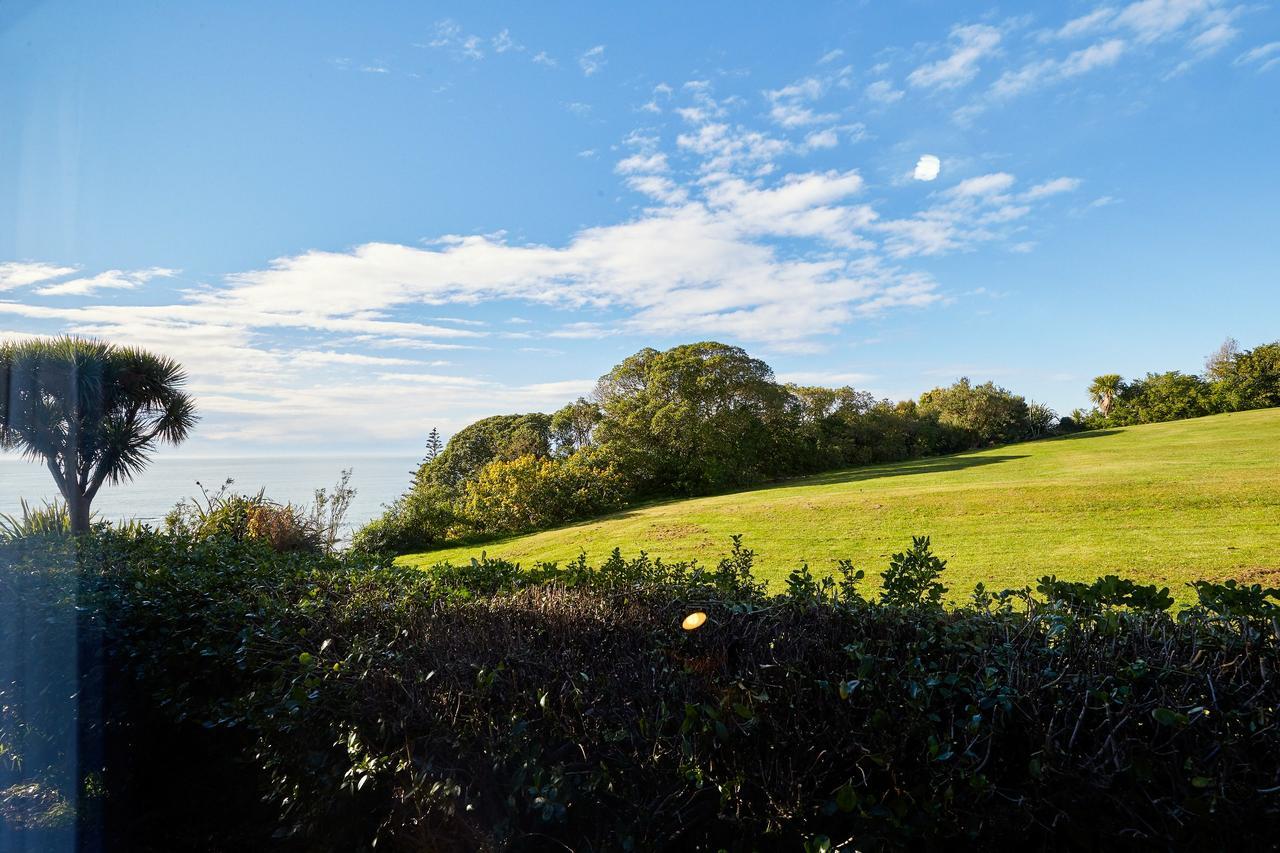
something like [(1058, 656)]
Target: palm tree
[(91, 410), (1104, 391)]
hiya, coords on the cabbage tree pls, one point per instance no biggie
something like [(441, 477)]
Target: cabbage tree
[(93, 412)]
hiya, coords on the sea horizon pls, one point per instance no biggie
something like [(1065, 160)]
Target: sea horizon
[(168, 479)]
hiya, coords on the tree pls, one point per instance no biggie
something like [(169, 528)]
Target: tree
[(92, 411), (1218, 365), (692, 419), (1159, 397), (434, 446), (504, 437), (1104, 390), (1249, 379), (990, 413), (572, 426)]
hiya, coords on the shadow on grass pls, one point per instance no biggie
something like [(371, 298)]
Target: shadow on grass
[(930, 465), (1092, 433)]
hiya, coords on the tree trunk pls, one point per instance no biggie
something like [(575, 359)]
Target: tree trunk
[(78, 507)]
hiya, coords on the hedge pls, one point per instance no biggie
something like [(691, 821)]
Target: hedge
[(230, 698)]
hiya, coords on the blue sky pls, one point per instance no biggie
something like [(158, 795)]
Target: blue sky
[(352, 223)]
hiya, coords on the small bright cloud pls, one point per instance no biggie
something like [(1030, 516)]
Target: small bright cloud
[(882, 91), (927, 168), (592, 61)]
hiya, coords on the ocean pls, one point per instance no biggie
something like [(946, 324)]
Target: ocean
[(378, 480)]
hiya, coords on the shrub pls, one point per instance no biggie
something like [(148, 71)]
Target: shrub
[(419, 520), (529, 493), (284, 527), (49, 519)]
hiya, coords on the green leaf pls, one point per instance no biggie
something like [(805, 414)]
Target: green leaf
[(1169, 717)]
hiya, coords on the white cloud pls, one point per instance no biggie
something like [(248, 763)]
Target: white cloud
[(927, 168), (830, 56), (1151, 20), (822, 139), (1052, 187), (592, 61), (1087, 23), (327, 358), (1266, 56), (1046, 71), (15, 274), (970, 44), (789, 105), (109, 280), (883, 92), (983, 185), (503, 42), (977, 210), (581, 331), (642, 163), (543, 58)]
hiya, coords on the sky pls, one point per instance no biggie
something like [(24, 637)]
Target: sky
[(354, 222)]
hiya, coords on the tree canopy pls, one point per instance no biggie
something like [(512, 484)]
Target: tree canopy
[(91, 411)]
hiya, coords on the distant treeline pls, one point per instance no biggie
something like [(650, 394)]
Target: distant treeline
[(1234, 380)]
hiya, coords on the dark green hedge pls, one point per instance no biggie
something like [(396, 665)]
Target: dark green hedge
[(234, 698)]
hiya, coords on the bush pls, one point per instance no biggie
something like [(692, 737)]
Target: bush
[(529, 493), (284, 527), (417, 521), (484, 706)]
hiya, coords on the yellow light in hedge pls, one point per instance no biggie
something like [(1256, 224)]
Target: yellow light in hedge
[(694, 621)]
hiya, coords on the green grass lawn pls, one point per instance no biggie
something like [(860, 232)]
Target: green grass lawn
[(1163, 503)]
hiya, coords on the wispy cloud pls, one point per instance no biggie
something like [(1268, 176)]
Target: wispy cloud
[(969, 46), (109, 280), (1265, 56), (592, 61), (883, 92), (1052, 187), (789, 106), (15, 274), (503, 42)]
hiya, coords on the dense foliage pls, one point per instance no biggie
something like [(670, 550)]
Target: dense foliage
[(695, 419), (1234, 380), (230, 696)]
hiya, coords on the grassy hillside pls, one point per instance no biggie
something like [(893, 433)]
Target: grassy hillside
[(1163, 503)]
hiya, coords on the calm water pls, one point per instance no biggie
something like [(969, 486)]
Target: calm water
[(376, 479)]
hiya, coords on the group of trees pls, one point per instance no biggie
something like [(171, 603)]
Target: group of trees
[(1233, 380), (694, 419)]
